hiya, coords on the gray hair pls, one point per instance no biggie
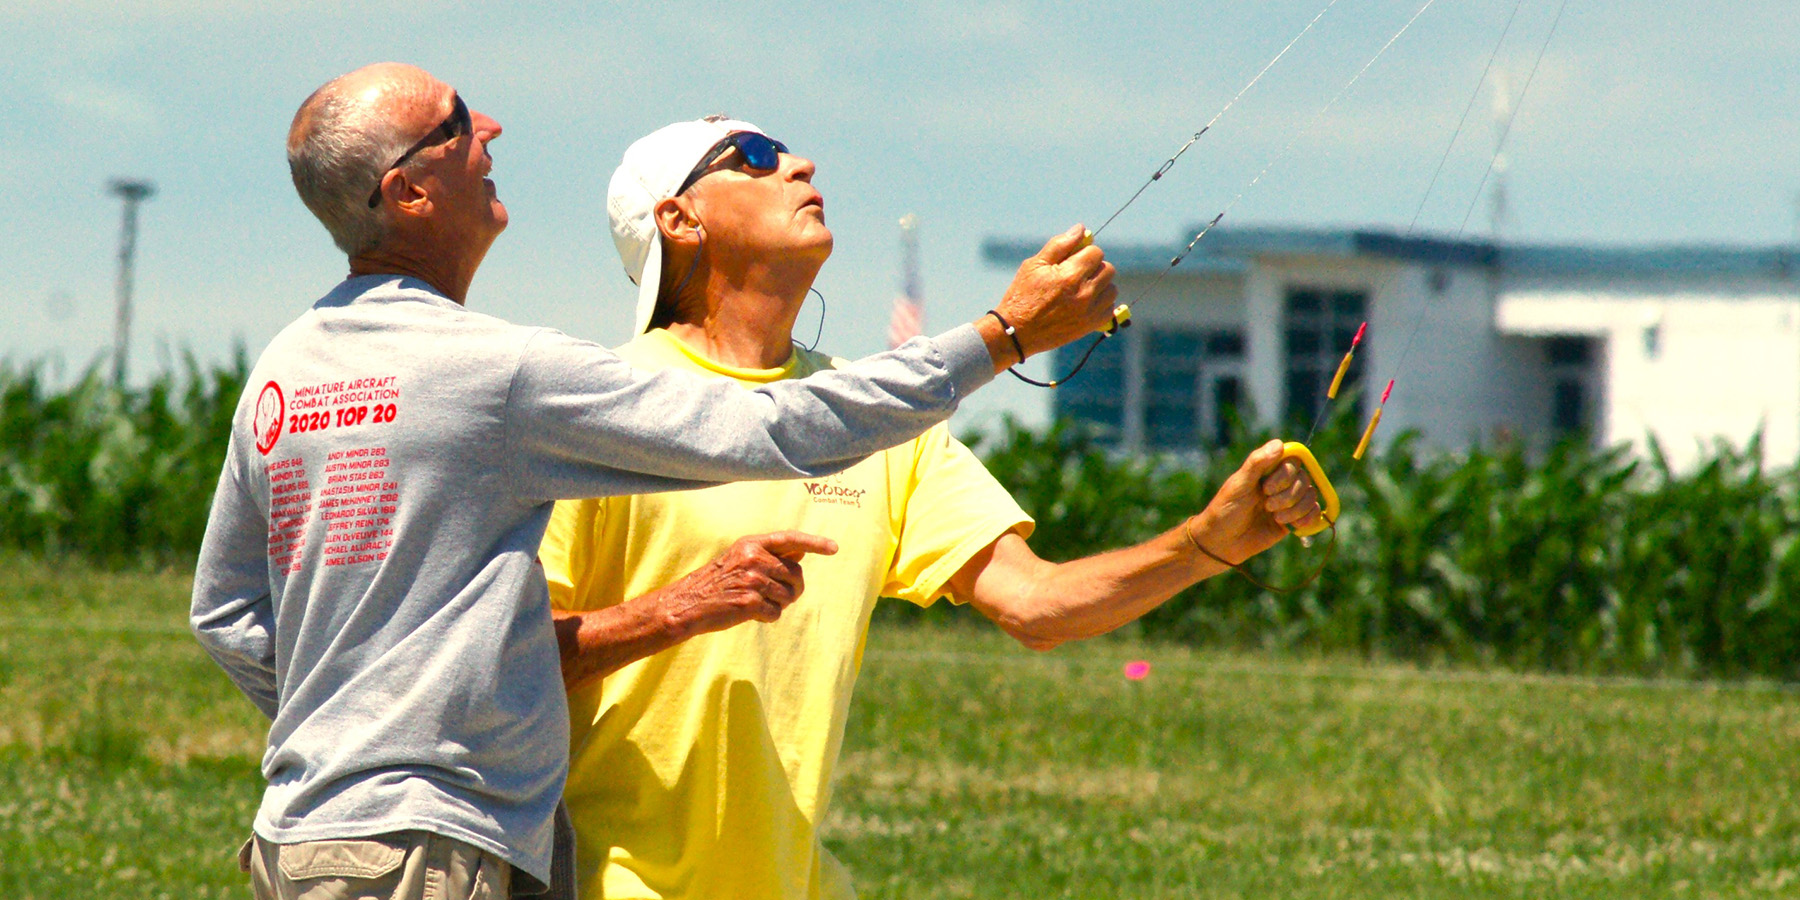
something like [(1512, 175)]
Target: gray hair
[(346, 148)]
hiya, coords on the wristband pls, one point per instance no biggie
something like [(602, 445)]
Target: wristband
[(1011, 332)]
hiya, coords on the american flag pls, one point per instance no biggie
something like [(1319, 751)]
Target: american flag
[(908, 321)]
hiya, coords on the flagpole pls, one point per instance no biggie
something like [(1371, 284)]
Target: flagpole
[(909, 308)]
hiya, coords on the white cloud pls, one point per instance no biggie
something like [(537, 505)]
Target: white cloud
[(961, 21), (90, 103)]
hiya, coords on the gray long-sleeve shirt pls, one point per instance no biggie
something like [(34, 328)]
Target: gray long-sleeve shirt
[(369, 573)]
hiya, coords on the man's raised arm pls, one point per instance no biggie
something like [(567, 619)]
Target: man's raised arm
[(587, 423)]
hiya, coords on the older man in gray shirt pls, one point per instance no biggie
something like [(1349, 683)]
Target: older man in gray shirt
[(368, 576)]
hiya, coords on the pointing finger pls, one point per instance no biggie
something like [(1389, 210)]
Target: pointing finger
[(792, 545)]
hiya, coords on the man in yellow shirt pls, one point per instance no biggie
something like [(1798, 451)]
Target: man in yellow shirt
[(703, 770)]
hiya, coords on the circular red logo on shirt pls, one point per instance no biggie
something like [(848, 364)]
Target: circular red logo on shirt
[(271, 411)]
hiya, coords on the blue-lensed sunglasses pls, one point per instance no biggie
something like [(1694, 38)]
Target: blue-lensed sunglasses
[(759, 151)]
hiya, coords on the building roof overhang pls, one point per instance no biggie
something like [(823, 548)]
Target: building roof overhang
[(1230, 251)]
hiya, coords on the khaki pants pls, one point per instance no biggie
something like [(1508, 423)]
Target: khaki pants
[(407, 865)]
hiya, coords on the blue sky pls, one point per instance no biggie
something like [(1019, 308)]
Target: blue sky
[(1647, 122)]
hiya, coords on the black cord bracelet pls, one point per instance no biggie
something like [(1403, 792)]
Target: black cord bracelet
[(1011, 332), (1091, 347)]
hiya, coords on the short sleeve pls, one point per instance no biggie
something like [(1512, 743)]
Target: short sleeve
[(568, 553), (953, 509)]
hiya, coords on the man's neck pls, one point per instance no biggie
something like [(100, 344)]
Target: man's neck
[(450, 274), (748, 329)]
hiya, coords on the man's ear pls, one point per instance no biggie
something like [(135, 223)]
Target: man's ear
[(413, 201), (677, 222)]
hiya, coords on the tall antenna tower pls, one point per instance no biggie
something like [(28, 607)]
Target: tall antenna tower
[(132, 192), (1497, 211)]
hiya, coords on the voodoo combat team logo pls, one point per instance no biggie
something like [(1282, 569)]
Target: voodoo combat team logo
[(271, 410)]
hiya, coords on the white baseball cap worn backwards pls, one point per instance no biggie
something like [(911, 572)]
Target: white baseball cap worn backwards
[(653, 170)]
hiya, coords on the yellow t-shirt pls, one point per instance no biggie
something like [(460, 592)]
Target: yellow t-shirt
[(703, 772)]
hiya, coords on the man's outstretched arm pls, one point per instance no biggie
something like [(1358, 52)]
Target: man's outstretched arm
[(753, 580), (1045, 604), (584, 423)]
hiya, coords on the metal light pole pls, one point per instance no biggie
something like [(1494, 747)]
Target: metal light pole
[(132, 192)]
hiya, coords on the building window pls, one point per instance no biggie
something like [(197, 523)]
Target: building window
[(1320, 324), (1193, 380), (1571, 362), (1568, 407), (1224, 402), (1171, 378), (1097, 395), (1569, 351), (1222, 386)]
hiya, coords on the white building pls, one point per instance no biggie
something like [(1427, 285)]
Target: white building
[(1691, 344)]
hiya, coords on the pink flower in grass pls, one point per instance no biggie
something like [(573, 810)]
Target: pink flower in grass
[(1137, 669)]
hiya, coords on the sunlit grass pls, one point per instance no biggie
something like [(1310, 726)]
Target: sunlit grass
[(975, 768), (74, 826), (105, 656), (1004, 773), (127, 761)]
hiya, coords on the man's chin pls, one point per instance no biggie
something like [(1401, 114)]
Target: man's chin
[(819, 249)]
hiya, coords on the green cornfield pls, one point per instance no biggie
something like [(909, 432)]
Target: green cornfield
[(113, 475), (1571, 559)]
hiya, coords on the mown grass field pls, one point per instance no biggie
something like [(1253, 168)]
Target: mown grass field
[(978, 769)]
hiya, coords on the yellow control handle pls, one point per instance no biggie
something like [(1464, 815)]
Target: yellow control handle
[(1328, 498)]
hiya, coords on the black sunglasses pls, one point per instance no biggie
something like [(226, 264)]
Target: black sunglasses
[(454, 126), (760, 152)]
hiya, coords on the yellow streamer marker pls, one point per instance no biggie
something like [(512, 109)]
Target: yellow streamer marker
[(1121, 316), (1362, 446), (1337, 380), (1328, 498)]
